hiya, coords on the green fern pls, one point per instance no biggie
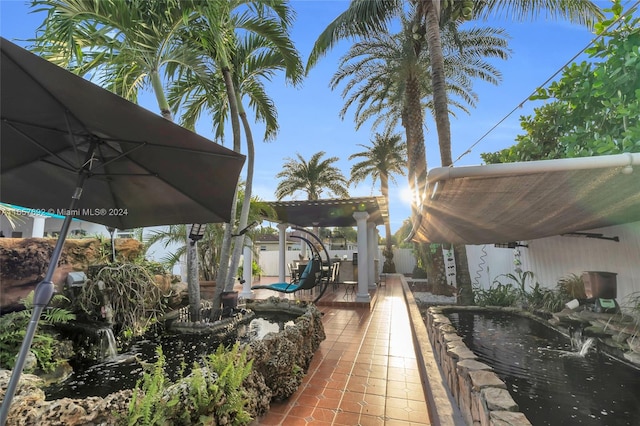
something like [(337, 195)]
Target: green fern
[(13, 329), (232, 368), (146, 406), (212, 394)]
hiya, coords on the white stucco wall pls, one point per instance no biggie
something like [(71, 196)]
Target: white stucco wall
[(555, 257)]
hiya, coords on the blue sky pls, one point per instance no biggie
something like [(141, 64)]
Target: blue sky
[(308, 115)]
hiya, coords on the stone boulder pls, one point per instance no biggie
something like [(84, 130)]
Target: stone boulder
[(25, 261), (283, 358)]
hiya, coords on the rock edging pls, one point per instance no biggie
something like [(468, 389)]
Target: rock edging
[(481, 395)]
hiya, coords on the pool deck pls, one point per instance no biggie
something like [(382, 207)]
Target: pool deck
[(374, 368)]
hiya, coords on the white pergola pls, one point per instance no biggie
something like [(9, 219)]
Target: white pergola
[(365, 213)]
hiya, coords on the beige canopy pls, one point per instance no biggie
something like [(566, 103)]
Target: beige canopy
[(502, 203)]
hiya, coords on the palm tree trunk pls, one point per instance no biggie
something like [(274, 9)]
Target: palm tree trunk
[(193, 285), (224, 272), (440, 102), (163, 104), (416, 156), (440, 106), (465, 294), (389, 266), (246, 204)]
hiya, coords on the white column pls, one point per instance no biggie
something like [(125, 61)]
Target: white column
[(363, 258), (37, 231), (303, 248), (372, 247), (282, 259), (247, 269)]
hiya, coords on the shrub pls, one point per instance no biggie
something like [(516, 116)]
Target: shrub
[(500, 295)]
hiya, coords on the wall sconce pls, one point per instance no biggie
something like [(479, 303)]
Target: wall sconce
[(197, 232)]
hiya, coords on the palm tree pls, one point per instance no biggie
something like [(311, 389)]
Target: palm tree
[(368, 17), (384, 72), (365, 18), (241, 62), (384, 158), (208, 248), (312, 177), (126, 45), (130, 43)]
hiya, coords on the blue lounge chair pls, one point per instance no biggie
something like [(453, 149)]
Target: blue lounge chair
[(309, 278)]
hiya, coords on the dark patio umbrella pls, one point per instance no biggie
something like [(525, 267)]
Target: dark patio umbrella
[(70, 147)]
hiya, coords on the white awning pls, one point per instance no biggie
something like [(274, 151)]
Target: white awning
[(500, 203)]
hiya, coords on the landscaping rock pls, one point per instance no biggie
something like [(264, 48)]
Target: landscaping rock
[(280, 361)]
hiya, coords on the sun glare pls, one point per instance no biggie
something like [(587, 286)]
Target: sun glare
[(406, 195)]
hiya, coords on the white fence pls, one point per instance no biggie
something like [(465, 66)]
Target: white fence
[(403, 258), (555, 257), (548, 258)]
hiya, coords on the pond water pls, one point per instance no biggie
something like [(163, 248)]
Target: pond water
[(551, 381), (122, 371)]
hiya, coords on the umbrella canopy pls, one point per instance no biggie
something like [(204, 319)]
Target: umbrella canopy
[(140, 168), (71, 148)]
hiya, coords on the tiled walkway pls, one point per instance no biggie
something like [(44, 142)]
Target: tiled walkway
[(364, 373)]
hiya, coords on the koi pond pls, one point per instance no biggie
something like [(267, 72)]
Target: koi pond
[(552, 381), (181, 351)]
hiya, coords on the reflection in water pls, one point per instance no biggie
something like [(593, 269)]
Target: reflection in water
[(258, 328), (551, 382)]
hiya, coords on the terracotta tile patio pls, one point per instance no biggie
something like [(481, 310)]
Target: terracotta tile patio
[(365, 372)]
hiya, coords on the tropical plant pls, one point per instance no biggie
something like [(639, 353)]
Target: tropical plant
[(129, 292), (553, 300), (498, 294), (126, 45), (368, 17), (312, 177), (567, 288), (385, 72), (594, 108), (147, 406), (46, 344), (210, 394), (384, 158), (208, 247), (571, 287), (239, 63)]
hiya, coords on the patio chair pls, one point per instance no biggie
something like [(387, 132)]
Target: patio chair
[(332, 277), (309, 278), (293, 272)]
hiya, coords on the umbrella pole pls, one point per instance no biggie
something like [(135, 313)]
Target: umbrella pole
[(43, 294)]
